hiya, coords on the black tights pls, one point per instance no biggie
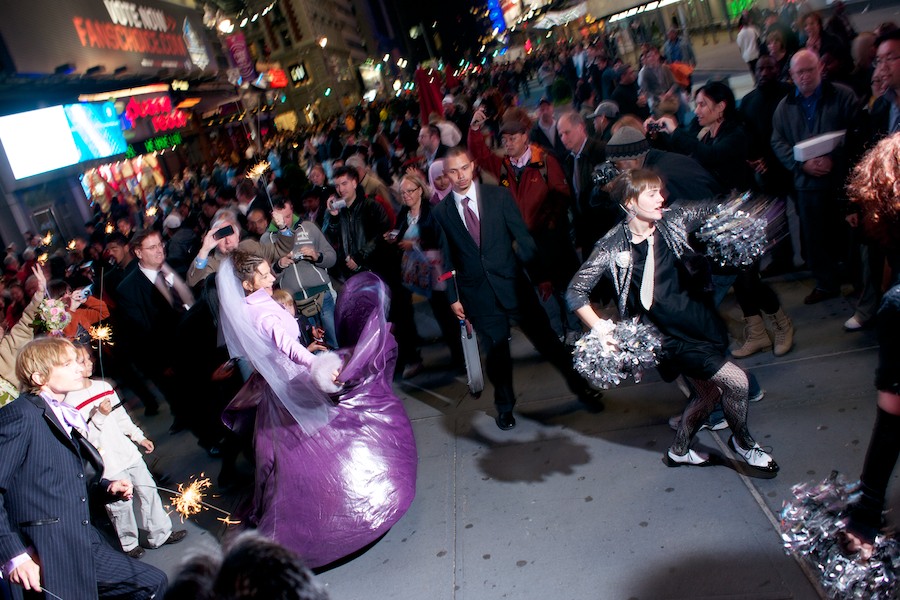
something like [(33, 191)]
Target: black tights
[(729, 382), (884, 448)]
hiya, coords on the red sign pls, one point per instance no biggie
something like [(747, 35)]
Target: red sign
[(160, 112), (277, 78), (96, 34)]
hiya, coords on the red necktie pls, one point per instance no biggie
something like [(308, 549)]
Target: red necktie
[(472, 223)]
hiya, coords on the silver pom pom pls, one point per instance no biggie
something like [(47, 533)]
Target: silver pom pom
[(607, 360), (811, 526), (736, 235)]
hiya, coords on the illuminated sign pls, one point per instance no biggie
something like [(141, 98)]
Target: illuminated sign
[(180, 86), (47, 139), (298, 73), (142, 36), (157, 110), (163, 142), (277, 78)]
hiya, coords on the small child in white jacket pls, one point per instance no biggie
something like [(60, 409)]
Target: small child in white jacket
[(114, 434)]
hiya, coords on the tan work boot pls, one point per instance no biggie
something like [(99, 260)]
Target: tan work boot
[(756, 338), (783, 332)]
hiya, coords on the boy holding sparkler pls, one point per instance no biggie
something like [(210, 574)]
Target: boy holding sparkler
[(47, 475), (112, 431)]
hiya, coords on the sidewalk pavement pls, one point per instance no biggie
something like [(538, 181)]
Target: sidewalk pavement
[(579, 506)]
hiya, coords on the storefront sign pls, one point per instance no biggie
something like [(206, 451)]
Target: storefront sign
[(298, 73), (158, 110), (143, 36), (163, 142), (277, 78), (146, 116)]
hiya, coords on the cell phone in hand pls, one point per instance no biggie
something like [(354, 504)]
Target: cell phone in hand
[(223, 232), (82, 294), (339, 204), (393, 233)]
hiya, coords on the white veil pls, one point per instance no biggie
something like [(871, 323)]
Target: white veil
[(292, 383)]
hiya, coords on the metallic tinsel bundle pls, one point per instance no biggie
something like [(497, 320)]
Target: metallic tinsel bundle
[(811, 526), (606, 360), (736, 235)]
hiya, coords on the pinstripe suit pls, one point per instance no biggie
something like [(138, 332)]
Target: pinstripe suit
[(45, 480)]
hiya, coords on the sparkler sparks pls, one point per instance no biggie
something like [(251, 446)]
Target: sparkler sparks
[(47, 239), (151, 211), (188, 500), (109, 228), (70, 246), (43, 258), (102, 334), (258, 170)]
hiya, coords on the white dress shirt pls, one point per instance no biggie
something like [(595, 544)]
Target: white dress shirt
[(472, 194)]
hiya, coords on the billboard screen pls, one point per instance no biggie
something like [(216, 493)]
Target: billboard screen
[(142, 36), (51, 138)]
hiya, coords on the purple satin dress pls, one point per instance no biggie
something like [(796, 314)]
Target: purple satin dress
[(329, 494)]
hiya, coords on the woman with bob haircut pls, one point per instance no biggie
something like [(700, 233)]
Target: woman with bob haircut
[(650, 263)]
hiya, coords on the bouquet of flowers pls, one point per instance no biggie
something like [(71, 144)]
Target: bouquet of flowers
[(52, 317)]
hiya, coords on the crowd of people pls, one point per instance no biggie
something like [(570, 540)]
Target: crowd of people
[(266, 299)]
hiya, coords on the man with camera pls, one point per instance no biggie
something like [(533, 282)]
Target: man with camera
[(356, 224), (224, 237), (303, 272)]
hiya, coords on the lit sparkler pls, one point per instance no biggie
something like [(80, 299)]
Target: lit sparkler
[(109, 228), (70, 246), (102, 334), (258, 170), (43, 258), (47, 239), (188, 500), (151, 211)]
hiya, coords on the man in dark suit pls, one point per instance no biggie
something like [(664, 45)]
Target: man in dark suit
[(49, 477), (431, 145), (484, 240), (153, 300), (594, 215)]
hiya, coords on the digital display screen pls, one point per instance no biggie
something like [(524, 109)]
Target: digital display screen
[(51, 138)]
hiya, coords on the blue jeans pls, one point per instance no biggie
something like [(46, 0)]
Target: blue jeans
[(327, 317)]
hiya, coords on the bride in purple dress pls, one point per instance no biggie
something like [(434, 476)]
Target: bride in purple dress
[(335, 453)]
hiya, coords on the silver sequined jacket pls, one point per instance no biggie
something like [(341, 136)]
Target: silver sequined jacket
[(612, 256)]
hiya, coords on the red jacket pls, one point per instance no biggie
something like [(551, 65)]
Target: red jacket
[(541, 192)]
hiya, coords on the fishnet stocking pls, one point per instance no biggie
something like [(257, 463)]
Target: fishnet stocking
[(730, 384)]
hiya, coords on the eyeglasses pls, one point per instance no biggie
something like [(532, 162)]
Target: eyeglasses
[(153, 247), (884, 60), (410, 192)]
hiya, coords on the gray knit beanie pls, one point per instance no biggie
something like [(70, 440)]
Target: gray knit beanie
[(627, 143)]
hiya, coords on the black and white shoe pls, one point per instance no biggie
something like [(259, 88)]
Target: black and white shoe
[(691, 459), (756, 457)]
